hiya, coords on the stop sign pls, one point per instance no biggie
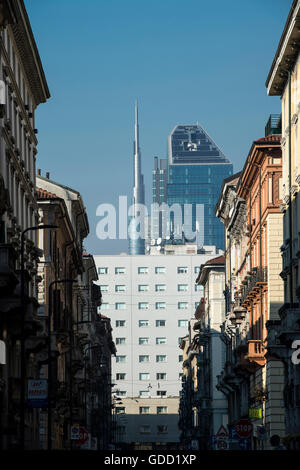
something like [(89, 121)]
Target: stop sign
[(83, 436), (244, 428)]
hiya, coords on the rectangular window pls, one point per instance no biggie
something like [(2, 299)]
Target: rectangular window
[(120, 288), (121, 393), (119, 270), (104, 288), (182, 287), (120, 358), (162, 429), (143, 393), (160, 305), (143, 288), (143, 323), (180, 358), (144, 410), (102, 270), (182, 270), (179, 340), (144, 429), (143, 305), (196, 304), (161, 340), (120, 323), (161, 393), (120, 376), (197, 269), (104, 306), (120, 306), (120, 340), (160, 323), (160, 287), (160, 270), (142, 270), (143, 358), (198, 287), (143, 340), (161, 410), (144, 376), (184, 323), (183, 305), (120, 410), (161, 376), (161, 358)]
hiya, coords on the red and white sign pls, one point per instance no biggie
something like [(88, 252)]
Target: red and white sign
[(222, 431), (244, 428), (222, 444), (83, 436)]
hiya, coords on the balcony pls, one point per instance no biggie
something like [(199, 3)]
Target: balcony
[(256, 352), (252, 284), (273, 125)]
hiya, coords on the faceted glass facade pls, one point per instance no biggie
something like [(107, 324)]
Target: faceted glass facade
[(196, 170)]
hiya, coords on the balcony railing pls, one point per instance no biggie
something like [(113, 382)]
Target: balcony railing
[(256, 352), (258, 276), (273, 125)]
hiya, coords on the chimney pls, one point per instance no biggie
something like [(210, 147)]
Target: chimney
[(39, 172), (47, 175)]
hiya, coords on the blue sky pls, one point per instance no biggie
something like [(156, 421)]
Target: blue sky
[(184, 62)]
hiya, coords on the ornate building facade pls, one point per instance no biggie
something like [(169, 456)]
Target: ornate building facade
[(22, 88)]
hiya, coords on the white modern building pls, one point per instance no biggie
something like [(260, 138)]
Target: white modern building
[(150, 300)]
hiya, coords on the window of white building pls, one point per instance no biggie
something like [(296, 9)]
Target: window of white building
[(160, 287), (143, 305), (143, 323), (143, 288), (120, 306), (160, 323), (183, 305), (119, 270), (160, 305), (120, 323), (120, 288), (143, 340), (182, 270), (102, 270), (142, 270), (184, 323), (160, 270), (144, 376), (120, 340), (161, 358), (161, 340), (120, 358), (143, 358), (182, 287)]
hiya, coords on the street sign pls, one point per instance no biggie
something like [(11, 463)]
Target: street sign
[(83, 436), (75, 432), (244, 428), (255, 413), (222, 431), (222, 444), (37, 393)]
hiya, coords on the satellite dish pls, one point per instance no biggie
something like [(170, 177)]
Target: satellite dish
[(158, 241), (168, 237)]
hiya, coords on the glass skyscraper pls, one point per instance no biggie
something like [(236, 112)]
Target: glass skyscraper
[(196, 170)]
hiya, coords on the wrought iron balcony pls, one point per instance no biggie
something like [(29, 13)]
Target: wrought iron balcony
[(257, 278)]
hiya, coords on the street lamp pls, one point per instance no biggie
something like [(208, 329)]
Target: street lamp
[(61, 281), (23, 361)]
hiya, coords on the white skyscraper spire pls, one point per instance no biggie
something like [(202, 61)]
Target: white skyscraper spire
[(137, 247)]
